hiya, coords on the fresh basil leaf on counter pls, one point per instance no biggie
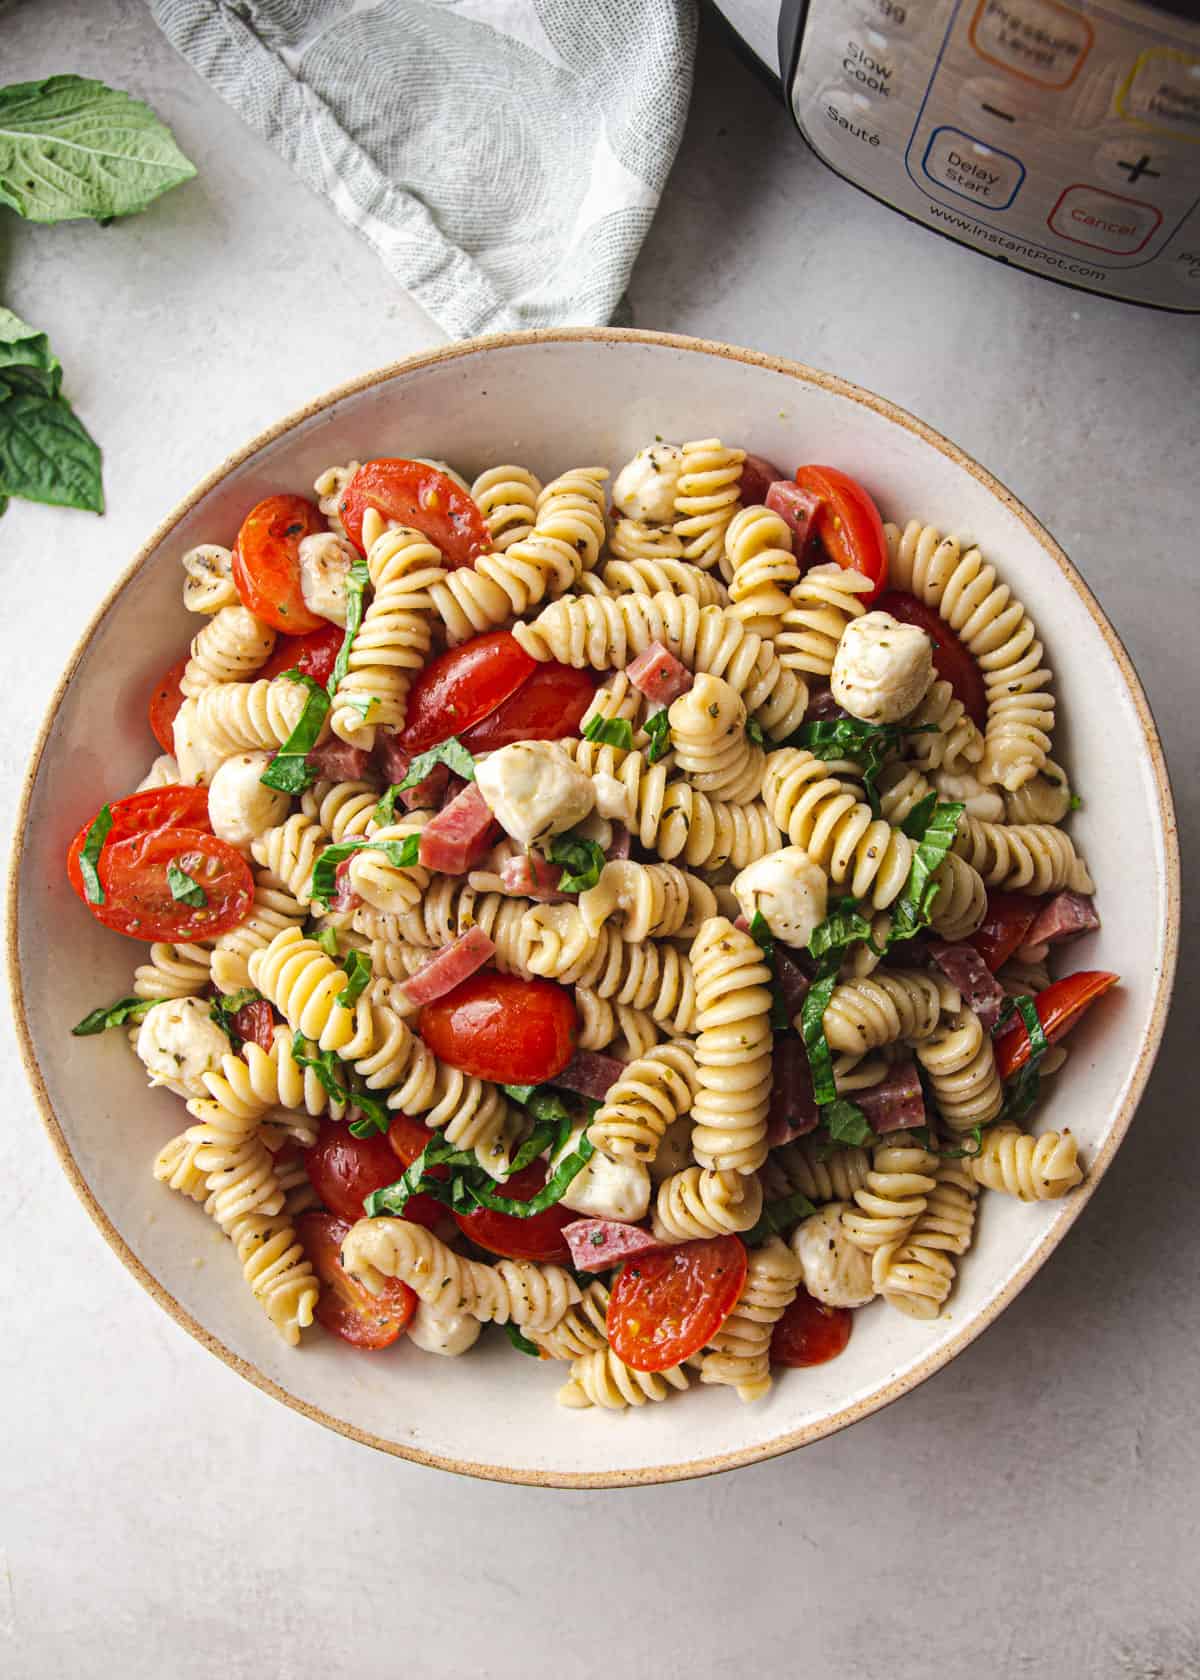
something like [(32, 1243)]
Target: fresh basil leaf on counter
[(116, 1015), (27, 362), (89, 857), (610, 732), (289, 771), (451, 753), (185, 890), (46, 453)]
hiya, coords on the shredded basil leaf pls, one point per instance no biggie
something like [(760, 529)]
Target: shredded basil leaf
[(402, 854), (289, 771), (917, 820), (911, 910), (358, 973), (329, 1070), (612, 732), (116, 1015), (326, 938), (951, 1152), (224, 1008), (777, 1218), (867, 744), (522, 1343), (762, 936), (845, 926), (760, 932), (754, 732), (385, 811), (451, 753), (1021, 1091), (846, 1123), (582, 861), (471, 1187), (184, 890), (89, 857), (812, 1028), (357, 580), (658, 729), (1074, 803)]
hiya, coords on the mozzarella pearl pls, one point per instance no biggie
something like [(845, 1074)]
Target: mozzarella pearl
[(179, 1042), (240, 808), (789, 890), (447, 1336), (605, 1189), (645, 486), (882, 668), (533, 790), (325, 561), (835, 1271), (986, 803)]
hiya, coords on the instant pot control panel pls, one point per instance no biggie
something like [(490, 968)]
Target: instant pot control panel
[(1061, 135)]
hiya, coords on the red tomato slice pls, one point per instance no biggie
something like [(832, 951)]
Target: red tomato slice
[(407, 1139), (254, 1023), (463, 686), (667, 1306), (345, 1307), (1058, 1009), (314, 654), (547, 707), (1009, 918), (847, 524), (266, 562), (344, 1169), (137, 896), (951, 660), (165, 703), (809, 1333), (537, 1238), (143, 813), (503, 1028), (420, 496)]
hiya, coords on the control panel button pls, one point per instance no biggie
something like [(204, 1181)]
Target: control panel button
[(847, 116), (1105, 221), (1040, 40), (867, 64), (1163, 92), (897, 18), (969, 169), (1137, 161)]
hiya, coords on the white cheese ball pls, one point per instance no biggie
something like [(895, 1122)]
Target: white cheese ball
[(533, 790), (882, 668), (835, 1271), (178, 1042), (208, 579), (986, 803), (645, 486), (325, 562), (605, 1189), (790, 890), (448, 1336), (240, 808)]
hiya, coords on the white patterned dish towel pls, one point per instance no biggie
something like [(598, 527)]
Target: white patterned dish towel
[(504, 157)]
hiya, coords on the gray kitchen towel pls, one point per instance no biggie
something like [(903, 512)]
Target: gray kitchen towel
[(504, 157)]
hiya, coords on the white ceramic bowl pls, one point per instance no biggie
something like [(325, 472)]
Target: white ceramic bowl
[(554, 400)]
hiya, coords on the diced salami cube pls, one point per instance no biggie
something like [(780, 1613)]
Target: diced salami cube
[(1066, 916), (597, 1244), (390, 757), (335, 761), (532, 876), (793, 1110), (758, 475), (797, 507), (965, 968), (659, 675), (590, 1074), (457, 839), (469, 952), (898, 1102), (793, 975)]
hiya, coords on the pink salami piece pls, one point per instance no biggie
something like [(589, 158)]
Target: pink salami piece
[(590, 1074), (965, 968), (531, 876), (457, 839), (597, 1244), (758, 475), (797, 507), (793, 1110), (390, 757), (344, 895), (898, 1102), (1066, 916), (334, 761), (793, 975), (470, 951), (822, 706), (428, 794), (658, 674), (392, 762)]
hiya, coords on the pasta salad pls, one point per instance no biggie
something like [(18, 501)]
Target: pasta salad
[(620, 915)]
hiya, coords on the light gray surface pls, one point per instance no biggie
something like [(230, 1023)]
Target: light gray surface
[(1030, 1511)]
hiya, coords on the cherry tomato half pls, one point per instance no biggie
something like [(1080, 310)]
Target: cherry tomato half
[(1008, 919), (345, 1307), (666, 1306), (418, 495), (143, 813), (951, 660), (266, 562), (537, 1238), (463, 686), (1058, 1009), (314, 654), (407, 1139), (547, 707), (500, 1027), (254, 1023), (344, 1169), (847, 524), (165, 703), (138, 901), (809, 1333)]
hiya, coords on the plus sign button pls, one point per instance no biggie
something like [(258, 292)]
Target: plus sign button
[(1139, 162)]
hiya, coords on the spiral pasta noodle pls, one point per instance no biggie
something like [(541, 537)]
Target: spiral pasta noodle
[(758, 554), (961, 1064), (1022, 857), (234, 717), (581, 1329), (860, 852), (708, 728), (802, 1167), (917, 1275), (274, 909), (230, 646), (174, 971), (1044, 798), (896, 1193), (208, 579), (890, 1004), (290, 852), (646, 563), (646, 901), (296, 976), (706, 499), (818, 609), (385, 885), (655, 1089), (601, 1378), (740, 1351), (961, 901), (507, 499), (1034, 1169), (733, 1049), (956, 746), (557, 946), (345, 810), (699, 1203)]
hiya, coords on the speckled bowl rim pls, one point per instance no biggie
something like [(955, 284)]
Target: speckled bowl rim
[(1070, 1210)]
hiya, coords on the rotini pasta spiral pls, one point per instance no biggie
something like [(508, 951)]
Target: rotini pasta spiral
[(961, 901), (602, 1379), (329, 487), (507, 499), (647, 901), (385, 885), (296, 976), (650, 1095), (512, 1291), (819, 608), (708, 728), (345, 810), (706, 499), (1022, 857), (646, 563), (208, 578), (1034, 1169), (957, 745), (290, 852), (824, 815), (581, 1329), (733, 1049), (961, 1064), (395, 635), (802, 1168), (997, 630), (896, 1193), (740, 1353), (698, 1203), (234, 717), (917, 1275), (890, 1004), (1045, 798), (758, 552), (173, 971), (231, 645), (274, 909), (556, 945), (175, 1166)]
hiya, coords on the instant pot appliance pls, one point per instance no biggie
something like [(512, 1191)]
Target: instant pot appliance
[(1059, 135)]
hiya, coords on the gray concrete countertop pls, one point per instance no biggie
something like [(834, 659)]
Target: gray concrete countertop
[(1033, 1509)]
